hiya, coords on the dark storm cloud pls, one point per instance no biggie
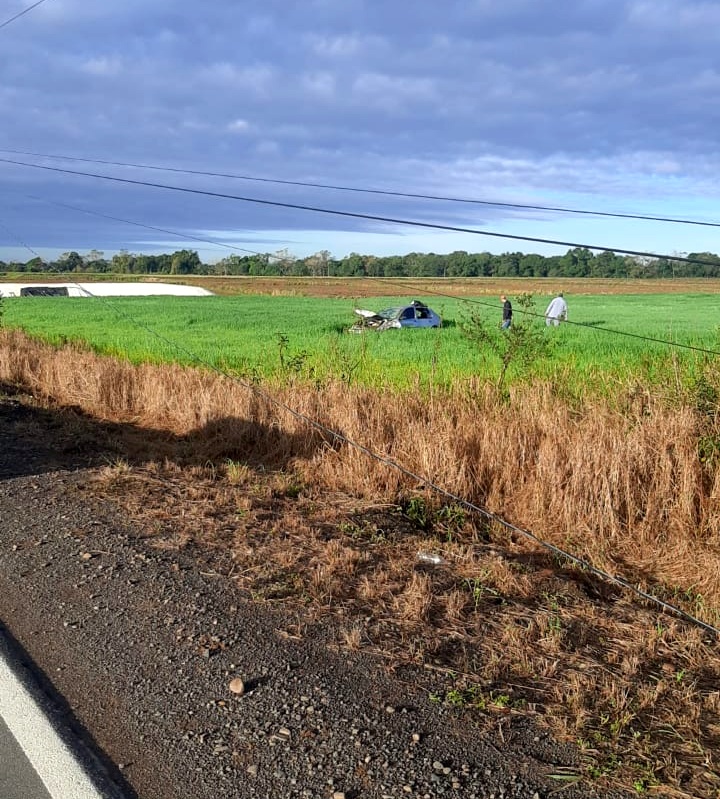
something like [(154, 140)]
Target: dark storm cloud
[(474, 98)]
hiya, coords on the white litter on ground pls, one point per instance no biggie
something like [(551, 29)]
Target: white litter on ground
[(102, 289)]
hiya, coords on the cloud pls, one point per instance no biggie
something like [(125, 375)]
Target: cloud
[(606, 101), (256, 78), (103, 67), (238, 126), (393, 92), (670, 17), (334, 46), (319, 84)]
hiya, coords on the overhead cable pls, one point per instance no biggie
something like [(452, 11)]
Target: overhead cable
[(390, 281), (385, 192), (336, 436), (537, 314), (484, 512), (148, 227), (19, 240), (358, 215), (21, 13)]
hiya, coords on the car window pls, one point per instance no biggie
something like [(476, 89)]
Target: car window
[(408, 313)]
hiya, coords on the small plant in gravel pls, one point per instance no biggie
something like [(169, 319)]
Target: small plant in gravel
[(237, 473), (419, 512), (119, 466), (367, 531), (446, 520), (479, 589), (451, 519)]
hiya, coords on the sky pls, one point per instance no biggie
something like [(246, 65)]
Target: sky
[(603, 105)]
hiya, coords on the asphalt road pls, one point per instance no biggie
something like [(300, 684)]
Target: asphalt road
[(18, 779), (40, 757), (138, 645)]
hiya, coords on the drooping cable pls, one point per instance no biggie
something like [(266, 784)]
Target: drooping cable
[(368, 217), (360, 190), (336, 436), (21, 13), (188, 236)]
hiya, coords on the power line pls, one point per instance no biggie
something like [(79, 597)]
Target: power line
[(495, 306), (335, 436), (389, 281), (21, 13), (484, 512), (369, 217), (143, 225), (385, 192), (19, 240)]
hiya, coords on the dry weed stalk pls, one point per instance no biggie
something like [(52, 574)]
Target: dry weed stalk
[(625, 488)]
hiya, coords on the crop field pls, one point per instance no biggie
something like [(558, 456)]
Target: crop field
[(263, 336), (601, 441)]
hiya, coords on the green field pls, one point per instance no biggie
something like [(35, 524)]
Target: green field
[(266, 337)]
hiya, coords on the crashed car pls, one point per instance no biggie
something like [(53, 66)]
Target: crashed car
[(416, 314)]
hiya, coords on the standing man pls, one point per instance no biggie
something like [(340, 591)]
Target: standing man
[(507, 313), (557, 311)]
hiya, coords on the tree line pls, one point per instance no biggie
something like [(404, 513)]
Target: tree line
[(576, 262)]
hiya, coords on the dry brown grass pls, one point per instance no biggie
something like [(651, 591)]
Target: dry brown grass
[(354, 287), (294, 517)]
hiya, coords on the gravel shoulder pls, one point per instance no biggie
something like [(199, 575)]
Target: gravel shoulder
[(140, 645)]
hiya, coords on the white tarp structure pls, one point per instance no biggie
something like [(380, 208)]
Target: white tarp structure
[(102, 289)]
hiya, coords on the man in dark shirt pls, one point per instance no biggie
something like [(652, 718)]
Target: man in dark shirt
[(507, 313)]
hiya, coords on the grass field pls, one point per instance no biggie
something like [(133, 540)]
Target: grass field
[(262, 336), (626, 476)]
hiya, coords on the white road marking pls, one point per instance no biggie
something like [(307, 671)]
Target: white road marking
[(54, 763)]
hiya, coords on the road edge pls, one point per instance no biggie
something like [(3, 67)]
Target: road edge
[(24, 707)]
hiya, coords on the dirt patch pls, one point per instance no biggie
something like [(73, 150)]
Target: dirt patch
[(357, 287), (510, 630), (469, 628)]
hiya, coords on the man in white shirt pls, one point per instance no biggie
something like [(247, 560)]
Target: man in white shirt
[(557, 311)]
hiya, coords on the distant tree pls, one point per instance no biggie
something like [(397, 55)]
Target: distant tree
[(70, 262), (508, 264), (639, 267), (294, 268), (122, 262), (373, 266), (482, 265), (607, 264), (457, 264), (353, 265), (709, 269), (35, 265), (185, 262), (95, 261), (232, 265), (576, 263), (319, 263), (263, 265), (391, 267), (164, 263), (283, 263), (532, 265), (144, 265)]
